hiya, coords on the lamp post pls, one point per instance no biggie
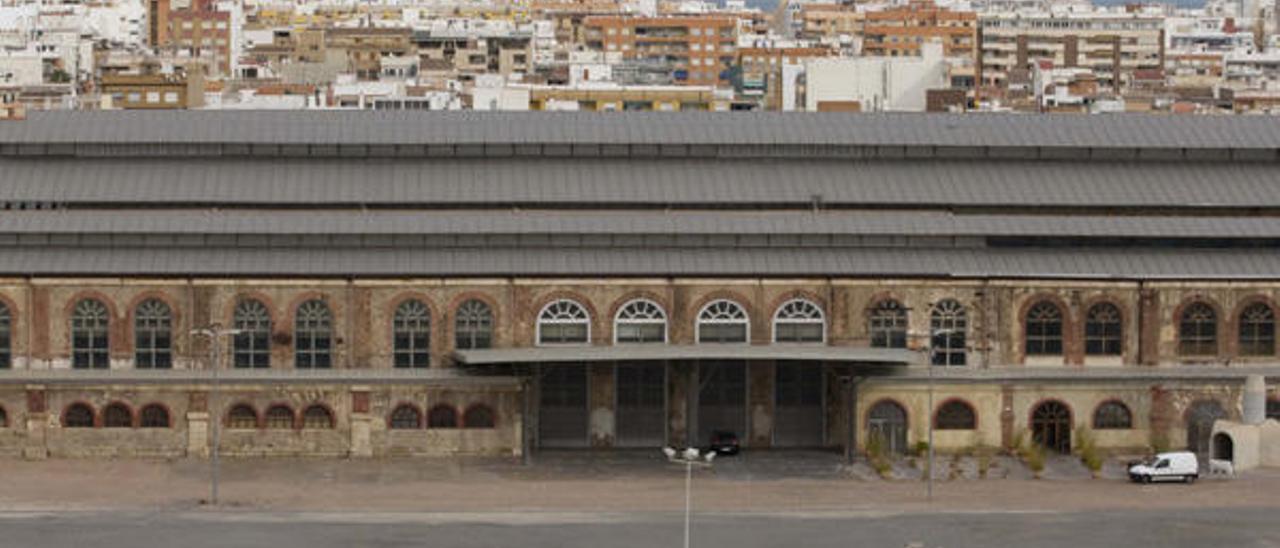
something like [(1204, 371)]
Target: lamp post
[(689, 458), (215, 333)]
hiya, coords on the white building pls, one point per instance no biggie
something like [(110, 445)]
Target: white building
[(875, 83)]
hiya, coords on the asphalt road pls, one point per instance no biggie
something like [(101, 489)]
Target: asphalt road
[(198, 529)]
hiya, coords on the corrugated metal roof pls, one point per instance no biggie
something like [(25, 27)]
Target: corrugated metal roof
[(364, 127), (493, 182), (1120, 263), (642, 222)]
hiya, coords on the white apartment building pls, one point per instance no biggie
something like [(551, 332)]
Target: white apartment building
[(1111, 44)]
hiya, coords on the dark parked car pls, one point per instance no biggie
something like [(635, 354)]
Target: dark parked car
[(725, 442)]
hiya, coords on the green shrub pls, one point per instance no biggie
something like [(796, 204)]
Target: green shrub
[(1035, 456), (921, 448), (1087, 446)]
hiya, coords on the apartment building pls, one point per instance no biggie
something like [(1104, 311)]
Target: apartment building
[(900, 31), (699, 49), (154, 90), (200, 32), (1112, 45), (829, 22)]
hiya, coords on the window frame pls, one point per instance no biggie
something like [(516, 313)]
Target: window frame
[(473, 319), (1044, 340), (234, 415), (1112, 422), (272, 418), (313, 326), (468, 420), (251, 347), (94, 327), (800, 312), (411, 323), (147, 414), (310, 417), (720, 313), (6, 336), (888, 324), (954, 423), (563, 313), (153, 335), (1262, 340), (1098, 340), (79, 406), (395, 423), (114, 412), (454, 417), (1203, 342), (642, 313), (948, 322)]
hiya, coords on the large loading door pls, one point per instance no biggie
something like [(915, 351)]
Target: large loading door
[(722, 399), (798, 414), (562, 406), (642, 405)]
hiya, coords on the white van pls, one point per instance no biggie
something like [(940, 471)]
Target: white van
[(1179, 465)]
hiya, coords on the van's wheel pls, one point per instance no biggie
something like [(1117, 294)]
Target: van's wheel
[(1146, 479), (1189, 479)]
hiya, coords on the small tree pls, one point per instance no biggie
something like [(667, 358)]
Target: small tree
[(1090, 456)]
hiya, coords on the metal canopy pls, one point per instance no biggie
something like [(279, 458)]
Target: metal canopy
[(638, 352)]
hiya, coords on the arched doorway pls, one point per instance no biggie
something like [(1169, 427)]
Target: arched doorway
[(1223, 447), (1200, 418), (888, 421), (1051, 426)]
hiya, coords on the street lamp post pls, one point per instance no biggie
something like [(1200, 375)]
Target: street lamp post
[(689, 458), (215, 333)]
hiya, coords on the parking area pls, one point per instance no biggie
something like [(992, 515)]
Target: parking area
[(581, 481)]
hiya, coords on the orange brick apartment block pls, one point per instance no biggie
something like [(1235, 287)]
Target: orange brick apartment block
[(899, 32), (203, 33), (699, 49)]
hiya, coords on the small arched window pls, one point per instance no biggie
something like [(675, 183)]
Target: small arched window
[(405, 417), (154, 416), (6, 337), (956, 415), (723, 321), (78, 415), (242, 417), (640, 321), (442, 416), (411, 334), (252, 345), (799, 321), (153, 335), (473, 326), (317, 417), (1103, 330), (948, 327), (1112, 415), (564, 322), (117, 415), (313, 336), (478, 416), (1198, 331), (887, 323), (280, 417), (1044, 330), (1257, 330), (90, 325)]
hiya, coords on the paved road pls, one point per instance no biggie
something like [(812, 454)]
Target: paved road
[(1246, 527)]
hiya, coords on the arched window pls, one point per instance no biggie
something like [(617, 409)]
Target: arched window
[(153, 335), (154, 416), (799, 321), (887, 323), (78, 415), (317, 417), (90, 325), (948, 327), (563, 322), (473, 326), (1198, 331), (887, 425), (1051, 425), (723, 321), (411, 329), (242, 417), (1112, 415), (252, 345), (117, 415), (640, 321), (442, 416), (1103, 330), (405, 417), (1044, 330), (313, 336), (6, 337), (955, 415), (478, 416), (280, 417), (1257, 330)]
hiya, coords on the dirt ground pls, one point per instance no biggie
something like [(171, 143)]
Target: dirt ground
[(781, 482)]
